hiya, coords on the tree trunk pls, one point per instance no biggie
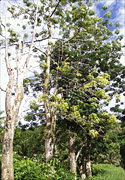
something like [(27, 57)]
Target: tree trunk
[(88, 161), (10, 125), (50, 118), (82, 172), (7, 151), (72, 155), (12, 109), (50, 139), (88, 167), (7, 143), (82, 168)]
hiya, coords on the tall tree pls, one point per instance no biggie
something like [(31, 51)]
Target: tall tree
[(86, 45), (12, 104)]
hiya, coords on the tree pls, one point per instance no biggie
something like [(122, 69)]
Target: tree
[(28, 142), (12, 104), (93, 55), (83, 63)]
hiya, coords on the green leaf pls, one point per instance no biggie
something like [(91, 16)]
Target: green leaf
[(105, 7)]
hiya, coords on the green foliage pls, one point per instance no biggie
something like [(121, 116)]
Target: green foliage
[(0, 30), (24, 27), (112, 119), (93, 133), (106, 172), (33, 105), (30, 141), (107, 14), (25, 35), (117, 24), (43, 65), (94, 118), (81, 86), (35, 169), (105, 7), (25, 82)]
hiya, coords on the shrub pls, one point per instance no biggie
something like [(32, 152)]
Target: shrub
[(27, 169)]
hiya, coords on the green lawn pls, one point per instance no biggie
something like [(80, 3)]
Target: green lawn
[(107, 172)]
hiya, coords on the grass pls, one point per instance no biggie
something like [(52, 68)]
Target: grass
[(107, 172)]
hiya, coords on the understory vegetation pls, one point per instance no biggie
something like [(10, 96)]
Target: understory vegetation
[(36, 169)]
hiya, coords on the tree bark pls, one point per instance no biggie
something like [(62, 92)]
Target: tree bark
[(12, 108), (50, 139), (88, 160), (72, 155), (7, 145), (7, 152), (50, 117), (82, 171)]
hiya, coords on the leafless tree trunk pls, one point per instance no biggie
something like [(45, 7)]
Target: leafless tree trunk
[(50, 117), (82, 167), (49, 144), (7, 146), (72, 155), (88, 160), (12, 107), (82, 171)]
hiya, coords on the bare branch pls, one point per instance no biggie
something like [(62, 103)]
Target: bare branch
[(2, 89), (32, 41), (55, 8), (80, 150), (38, 40), (40, 50), (3, 25), (6, 47), (20, 50), (72, 37)]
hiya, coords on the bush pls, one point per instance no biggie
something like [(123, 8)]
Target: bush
[(27, 169)]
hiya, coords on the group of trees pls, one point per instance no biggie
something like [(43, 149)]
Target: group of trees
[(80, 72)]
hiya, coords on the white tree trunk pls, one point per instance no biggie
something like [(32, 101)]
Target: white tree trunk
[(88, 160), (7, 145), (72, 155), (12, 110), (50, 139), (88, 167), (50, 117), (82, 172)]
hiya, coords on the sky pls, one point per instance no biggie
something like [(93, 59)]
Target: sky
[(117, 8)]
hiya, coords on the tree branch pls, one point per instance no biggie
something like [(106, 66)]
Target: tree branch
[(72, 37), (80, 150), (6, 48), (40, 50), (20, 50), (32, 41), (2, 89), (55, 8)]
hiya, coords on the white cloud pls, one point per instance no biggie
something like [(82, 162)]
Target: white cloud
[(97, 11), (108, 2), (120, 14)]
